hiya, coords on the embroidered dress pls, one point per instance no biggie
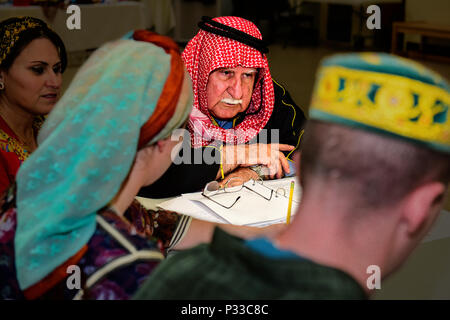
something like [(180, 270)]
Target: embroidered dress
[(119, 256), (12, 152)]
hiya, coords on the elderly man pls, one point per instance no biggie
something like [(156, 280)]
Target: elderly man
[(243, 119), (370, 192)]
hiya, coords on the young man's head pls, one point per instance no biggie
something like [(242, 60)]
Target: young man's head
[(376, 152), (397, 186)]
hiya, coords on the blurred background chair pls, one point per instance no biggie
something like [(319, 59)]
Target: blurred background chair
[(290, 22)]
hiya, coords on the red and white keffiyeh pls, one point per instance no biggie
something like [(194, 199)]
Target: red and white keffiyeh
[(207, 52)]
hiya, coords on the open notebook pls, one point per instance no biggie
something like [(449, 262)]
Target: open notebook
[(258, 211), (251, 209)]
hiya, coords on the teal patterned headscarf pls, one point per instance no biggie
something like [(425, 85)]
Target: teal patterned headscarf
[(86, 149)]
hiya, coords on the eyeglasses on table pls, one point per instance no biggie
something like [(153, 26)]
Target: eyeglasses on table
[(236, 184)]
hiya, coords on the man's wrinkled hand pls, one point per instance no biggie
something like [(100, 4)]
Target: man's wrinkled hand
[(245, 174)]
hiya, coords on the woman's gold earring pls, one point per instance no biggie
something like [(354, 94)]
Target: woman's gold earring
[(2, 86)]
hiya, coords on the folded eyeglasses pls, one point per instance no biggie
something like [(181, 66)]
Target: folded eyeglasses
[(235, 184)]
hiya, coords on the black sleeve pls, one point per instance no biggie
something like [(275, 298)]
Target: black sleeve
[(186, 176), (287, 117)]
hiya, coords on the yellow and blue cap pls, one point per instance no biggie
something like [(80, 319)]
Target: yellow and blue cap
[(385, 93)]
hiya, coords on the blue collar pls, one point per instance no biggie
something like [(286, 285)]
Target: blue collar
[(265, 247), (224, 124)]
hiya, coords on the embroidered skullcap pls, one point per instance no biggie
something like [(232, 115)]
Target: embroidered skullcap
[(385, 93)]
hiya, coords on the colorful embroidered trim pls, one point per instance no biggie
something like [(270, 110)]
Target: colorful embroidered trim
[(392, 103)]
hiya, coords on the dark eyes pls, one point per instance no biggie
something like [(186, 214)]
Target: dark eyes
[(226, 72), (57, 69), (231, 73), (39, 70)]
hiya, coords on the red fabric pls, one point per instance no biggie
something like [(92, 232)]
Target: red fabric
[(207, 52), (9, 160), (57, 275)]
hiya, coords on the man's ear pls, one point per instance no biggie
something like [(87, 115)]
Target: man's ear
[(162, 144), (422, 206), (167, 144)]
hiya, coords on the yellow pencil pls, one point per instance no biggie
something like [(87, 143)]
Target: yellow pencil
[(291, 193)]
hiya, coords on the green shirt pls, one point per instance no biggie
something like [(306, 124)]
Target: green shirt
[(230, 269)]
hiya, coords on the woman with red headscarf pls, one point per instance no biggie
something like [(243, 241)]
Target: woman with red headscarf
[(243, 122)]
